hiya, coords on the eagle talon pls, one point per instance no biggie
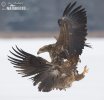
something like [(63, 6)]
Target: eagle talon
[(85, 70)]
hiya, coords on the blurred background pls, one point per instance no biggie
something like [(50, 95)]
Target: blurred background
[(40, 17), (34, 25)]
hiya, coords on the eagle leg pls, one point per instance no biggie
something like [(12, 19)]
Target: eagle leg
[(66, 53)]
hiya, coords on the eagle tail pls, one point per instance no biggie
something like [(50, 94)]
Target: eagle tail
[(46, 81)]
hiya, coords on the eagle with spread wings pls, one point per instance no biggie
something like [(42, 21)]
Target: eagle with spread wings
[(61, 72)]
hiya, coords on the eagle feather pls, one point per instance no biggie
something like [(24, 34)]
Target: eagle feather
[(61, 72)]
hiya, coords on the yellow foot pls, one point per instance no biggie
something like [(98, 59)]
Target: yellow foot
[(85, 70)]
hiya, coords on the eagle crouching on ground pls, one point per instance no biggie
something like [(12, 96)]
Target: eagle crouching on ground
[(61, 72)]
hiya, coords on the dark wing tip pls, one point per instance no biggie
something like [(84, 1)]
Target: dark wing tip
[(88, 45), (69, 8)]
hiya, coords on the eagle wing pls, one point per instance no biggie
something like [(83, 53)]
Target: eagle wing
[(73, 29), (30, 65)]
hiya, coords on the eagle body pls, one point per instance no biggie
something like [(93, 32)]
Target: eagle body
[(48, 75), (62, 71), (55, 53)]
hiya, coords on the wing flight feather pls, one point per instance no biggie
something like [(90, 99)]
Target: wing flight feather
[(73, 29)]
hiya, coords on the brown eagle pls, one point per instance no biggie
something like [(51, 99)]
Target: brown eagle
[(71, 40), (61, 72)]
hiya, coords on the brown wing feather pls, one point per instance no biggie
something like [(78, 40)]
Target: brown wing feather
[(30, 65), (62, 35), (75, 31)]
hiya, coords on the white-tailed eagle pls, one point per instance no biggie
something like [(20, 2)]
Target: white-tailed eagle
[(61, 72)]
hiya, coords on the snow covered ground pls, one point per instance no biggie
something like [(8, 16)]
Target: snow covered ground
[(14, 87)]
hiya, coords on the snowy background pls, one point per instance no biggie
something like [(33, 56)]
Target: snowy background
[(14, 87), (41, 21)]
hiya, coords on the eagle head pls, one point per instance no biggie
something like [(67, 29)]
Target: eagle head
[(43, 49)]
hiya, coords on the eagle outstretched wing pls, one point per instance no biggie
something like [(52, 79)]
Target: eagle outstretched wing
[(73, 29), (59, 73), (37, 67)]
